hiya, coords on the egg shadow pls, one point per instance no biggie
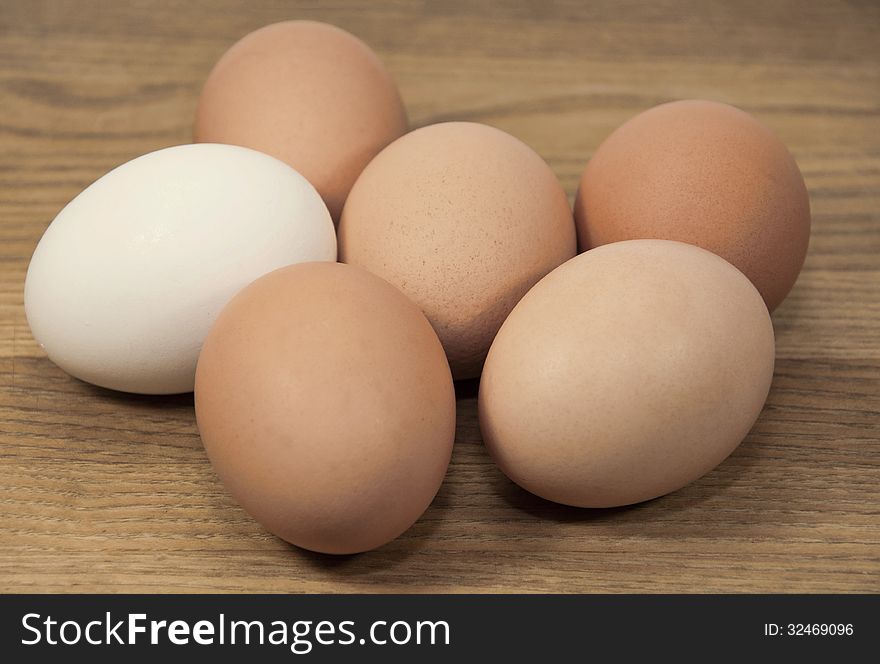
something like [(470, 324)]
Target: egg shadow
[(521, 500), (153, 421), (182, 400), (467, 389), (681, 500), (788, 316)]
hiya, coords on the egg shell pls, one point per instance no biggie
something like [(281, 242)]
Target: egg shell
[(326, 406), (308, 93), (464, 219), (705, 173), (626, 373), (126, 281)]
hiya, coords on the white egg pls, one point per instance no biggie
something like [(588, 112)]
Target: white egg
[(127, 280)]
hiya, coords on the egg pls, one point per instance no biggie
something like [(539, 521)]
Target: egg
[(326, 406), (464, 219), (704, 173), (309, 94), (128, 278), (626, 373)]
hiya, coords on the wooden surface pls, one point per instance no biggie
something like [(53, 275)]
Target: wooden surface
[(107, 492)]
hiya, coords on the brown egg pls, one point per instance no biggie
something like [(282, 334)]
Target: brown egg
[(626, 373), (704, 173), (464, 219), (326, 406), (309, 94)]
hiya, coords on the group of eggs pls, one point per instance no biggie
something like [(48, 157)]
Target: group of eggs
[(324, 390)]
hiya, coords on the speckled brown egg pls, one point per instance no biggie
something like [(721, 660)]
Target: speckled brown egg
[(626, 373), (704, 173), (326, 406), (309, 94), (464, 219)]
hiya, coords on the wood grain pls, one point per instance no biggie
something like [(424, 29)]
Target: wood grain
[(106, 492)]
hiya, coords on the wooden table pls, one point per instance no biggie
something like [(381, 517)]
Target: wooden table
[(107, 492)]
